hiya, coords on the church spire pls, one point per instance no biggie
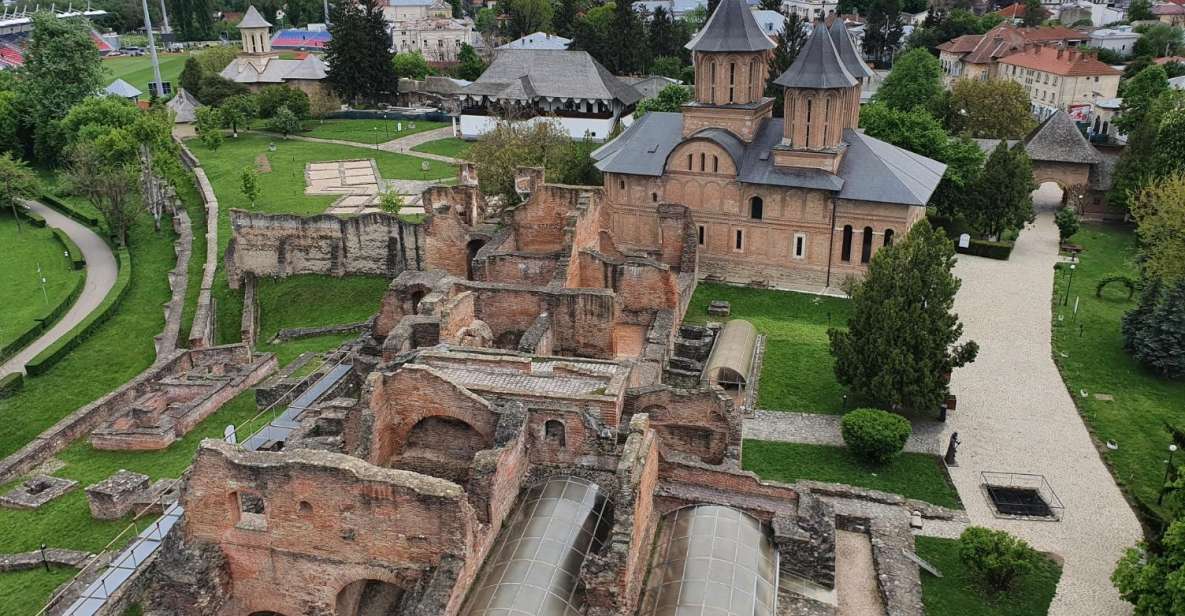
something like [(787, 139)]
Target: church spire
[(731, 28)]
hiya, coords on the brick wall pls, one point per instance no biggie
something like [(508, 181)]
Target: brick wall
[(701, 423)]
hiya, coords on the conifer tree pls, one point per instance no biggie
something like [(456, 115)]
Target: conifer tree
[(1003, 192), (629, 54), (882, 30), (358, 54), (791, 39)]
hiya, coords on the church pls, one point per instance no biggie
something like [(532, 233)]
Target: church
[(258, 66), (800, 202)]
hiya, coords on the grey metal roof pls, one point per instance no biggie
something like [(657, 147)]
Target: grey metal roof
[(276, 70), (252, 19), (872, 170), (1058, 139), (184, 106), (852, 60), (731, 28), (725, 139), (731, 360), (818, 65), (550, 73), (122, 89)]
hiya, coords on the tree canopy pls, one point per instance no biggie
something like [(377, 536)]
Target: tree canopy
[(411, 65), (358, 55), (1002, 192), (915, 81), (670, 98), (523, 17), (1159, 210), (882, 30), (1139, 94), (990, 109)]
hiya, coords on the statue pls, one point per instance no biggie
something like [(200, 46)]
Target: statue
[(951, 449)]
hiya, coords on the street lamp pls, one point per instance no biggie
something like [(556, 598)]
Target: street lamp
[(375, 129), (1070, 283), (1168, 464)]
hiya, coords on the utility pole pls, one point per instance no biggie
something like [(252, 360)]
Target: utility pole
[(164, 13), (325, 4), (152, 50)]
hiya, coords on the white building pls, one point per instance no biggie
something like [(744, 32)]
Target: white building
[(771, 22), (538, 40), (412, 10), (427, 27), (810, 9), (677, 9), (1098, 13), (1120, 40)]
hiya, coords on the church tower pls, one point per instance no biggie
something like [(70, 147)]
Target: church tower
[(256, 33), (731, 59), (822, 100)]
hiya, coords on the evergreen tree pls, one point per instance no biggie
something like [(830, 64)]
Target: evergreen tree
[(191, 77), (1003, 192), (790, 40), (901, 341), (525, 17), (1135, 321), (359, 55), (630, 54), (1034, 13), (664, 36), (1159, 341), (567, 14), (882, 30), (1139, 10), (471, 67)]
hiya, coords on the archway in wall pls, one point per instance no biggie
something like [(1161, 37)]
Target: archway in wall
[(368, 597), (442, 447), (1049, 196), (471, 249)]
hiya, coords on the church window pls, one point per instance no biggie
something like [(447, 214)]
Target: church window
[(888, 237), (807, 125), (701, 235), (732, 77), (740, 243), (702, 158), (689, 162), (715, 164), (712, 82), (654, 197), (753, 80), (621, 183), (845, 253), (866, 246), (756, 207), (826, 119), (799, 245)]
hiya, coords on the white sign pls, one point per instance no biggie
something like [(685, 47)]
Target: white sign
[(229, 434), (964, 240)]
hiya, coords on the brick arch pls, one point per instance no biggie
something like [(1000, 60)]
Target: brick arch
[(677, 159), (365, 595)]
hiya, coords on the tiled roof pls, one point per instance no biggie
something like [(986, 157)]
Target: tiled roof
[(1016, 11), (1058, 139), (1005, 39), (1063, 62), (961, 44), (1168, 9)]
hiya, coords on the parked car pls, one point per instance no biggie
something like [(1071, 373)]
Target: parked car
[(134, 51)]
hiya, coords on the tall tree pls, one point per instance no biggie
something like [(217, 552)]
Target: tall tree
[(239, 111), (1003, 192), (631, 54), (1034, 13), (595, 34), (411, 65), (525, 17), (567, 14), (790, 40), (1170, 145), (192, 19), (359, 54), (1140, 10), (1154, 333), (882, 30), (1135, 166), (902, 309), (663, 34), (1159, 210), (191, 77), (471, 66), (990, 109), (101, 171), (1158, 40), (17, 182), (915, 81), (1139, 93)]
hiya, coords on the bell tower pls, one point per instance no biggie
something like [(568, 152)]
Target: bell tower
[(256, 33), (731, 59)]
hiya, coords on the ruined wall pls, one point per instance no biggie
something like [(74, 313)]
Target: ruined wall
[(686, 481), (701, 423), (540, 223)]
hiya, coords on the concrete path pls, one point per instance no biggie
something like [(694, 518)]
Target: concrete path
[(815, 429), (101, 270), (1015, 415)]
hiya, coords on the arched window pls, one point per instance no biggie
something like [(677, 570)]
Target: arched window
[(715, 164), (712, 82), (845, 252), (553, 431), (866, 245), (827, 119), (732, 79), (806, 141), (689, 162), (621, 183), (753, 92), (702, 158), (888, 237), (756, 207), (654, 197)]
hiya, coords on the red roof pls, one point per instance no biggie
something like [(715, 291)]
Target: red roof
[(1006, 39), (1063, 62), (1166, 60), (1017, 11), (1168, 9)]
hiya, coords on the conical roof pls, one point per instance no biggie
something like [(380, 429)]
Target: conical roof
[(847, 50), (252, 19), (731, 28), (818, 65), (1058, 139)]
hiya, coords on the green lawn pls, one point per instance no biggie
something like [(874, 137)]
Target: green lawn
[(366, 132), (309, 301), (25, 248), (912, 475), (25, 592), (957, 593), (797, 373), (138, 70), (1089, 352), (450, 146)]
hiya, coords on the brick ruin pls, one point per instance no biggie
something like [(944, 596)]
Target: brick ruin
[(533, 434)]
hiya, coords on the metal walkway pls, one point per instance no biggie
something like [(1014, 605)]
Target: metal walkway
[(124, 567)]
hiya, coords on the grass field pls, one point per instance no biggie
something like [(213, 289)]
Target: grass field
[(451, 146), (23, 249), (957, 593), (363, 132), (1089, 352), (798, 373), (25, 592), (138, 70), (912, 475), (309, 301)]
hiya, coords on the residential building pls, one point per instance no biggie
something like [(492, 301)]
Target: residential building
[(1060, 79), (771, 22), (1120, 40), (1099, 14), (800, 202), (1169, 13), (677, 9), (438, 39), (974, 56), (259, 66), (1015, 13), (528, 84), (810, 9), (415, 10), (538, 40)]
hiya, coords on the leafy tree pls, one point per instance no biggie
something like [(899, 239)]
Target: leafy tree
[(411, 65), (191, 77), (874, 435), (321, 104), (17, 182), (1139, 94), (1140, 10), (193, 20), (572, 163), (511, 145), (790, 40), (915, 81), (284, 121), (391, 202), (303, 12), (214, 59), (249, 184), (11, 119), (96, 115), (902, 308), (271, 98), (991, 109), (486, 21), (670, 98), (1003, 192), (1136, 164), (996, 557), (1154, 581), (100, 171), (1170, 145), (594, 33), (525, 17), (1159, 210), (471, 65), (882, 30), (942, 25), (359, 56), (238, 111), (1034, 13), (667, 66), (209, 124), (1066, 220), (216, 89), (1158, 40)]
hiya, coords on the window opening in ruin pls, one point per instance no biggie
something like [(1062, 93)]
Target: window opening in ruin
[(888, 237), (866, 246), (756, 208), (701, 235), (621, 183), (845, 253), (252, 513), (740, 239), (305, 508), (654, 197), (553, 431), (799, 246), (689, 162), (368, 597)]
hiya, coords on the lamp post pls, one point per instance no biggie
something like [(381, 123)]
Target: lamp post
[(1168, 464), (44, 560), (375, 130), (1069, 284)]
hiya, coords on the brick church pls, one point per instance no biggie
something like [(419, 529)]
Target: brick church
[(802, 201)]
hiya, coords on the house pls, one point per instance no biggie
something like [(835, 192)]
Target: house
[(1099, 14), (414, 10), (800, 202), (538, 40), (1121, 40), (1057, 78), (585, 98), (1169, 13), (259, 66), (1015, 13), (810, 9), (974, 56)]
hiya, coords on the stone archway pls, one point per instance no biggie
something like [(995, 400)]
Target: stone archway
[(440, 446), (368, 597), (1050, 194)]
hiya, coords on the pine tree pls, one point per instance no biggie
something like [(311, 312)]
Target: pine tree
[(882, 30), (664, 38), (567, 14), (791, 39), (902, 339), (630, 54), (1034, 13), (191, 77), (358, 54), (1136, 319), (1004, 192), (1160, 341)]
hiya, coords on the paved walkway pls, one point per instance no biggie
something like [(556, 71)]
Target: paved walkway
[(815, 429), (1015, 415), (101, 270)]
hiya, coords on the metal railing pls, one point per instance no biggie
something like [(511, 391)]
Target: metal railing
[(1021, 495)]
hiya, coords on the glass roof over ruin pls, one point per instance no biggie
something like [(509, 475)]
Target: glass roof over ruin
[(533, 568), (712, 561)]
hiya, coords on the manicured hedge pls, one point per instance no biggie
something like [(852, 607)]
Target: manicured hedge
[(43, 323), (987, 248), (77, 260), (10, 384), (35, 219), (50, 356), (71, 211)]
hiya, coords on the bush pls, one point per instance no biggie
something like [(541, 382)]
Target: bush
[(986, 248), (272, 98), (73, 252), (1067, 223), (996, 557), (875, 435)]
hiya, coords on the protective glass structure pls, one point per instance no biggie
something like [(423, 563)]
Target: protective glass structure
[(716, 561), (534, 566)]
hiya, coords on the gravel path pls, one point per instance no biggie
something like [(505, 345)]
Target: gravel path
[(815, 429), (1015, 415), (100, 277), (855, 582)]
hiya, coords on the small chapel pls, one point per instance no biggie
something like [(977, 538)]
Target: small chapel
[(258, 66), (803, 201)]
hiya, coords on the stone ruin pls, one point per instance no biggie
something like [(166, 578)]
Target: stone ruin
[(36, 491), (534, 432)]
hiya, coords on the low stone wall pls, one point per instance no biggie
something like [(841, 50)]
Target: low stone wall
[(293, 333), (37, 559), (202, 332), (166, 341)]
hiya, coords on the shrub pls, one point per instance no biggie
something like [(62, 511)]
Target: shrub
[(996, 557), (875, 435), (987, 248), (1067, 223)]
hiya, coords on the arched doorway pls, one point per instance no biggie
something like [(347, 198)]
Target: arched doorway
[(471, 250), (442, 447), (368, 597), (1050, 195)]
